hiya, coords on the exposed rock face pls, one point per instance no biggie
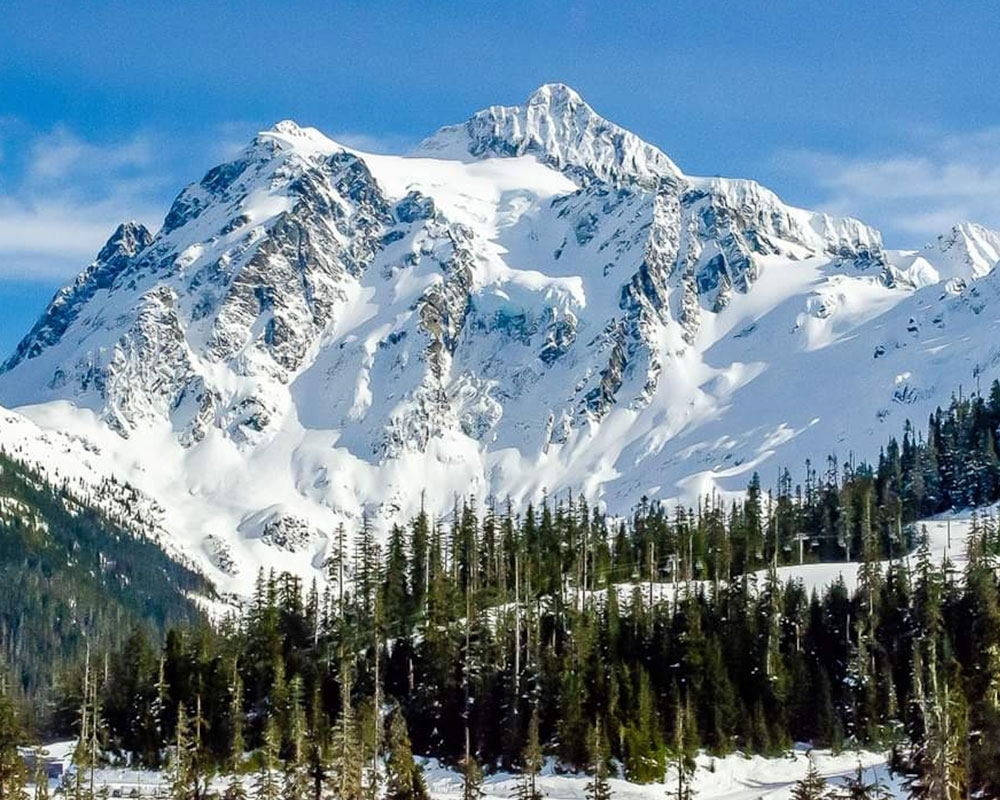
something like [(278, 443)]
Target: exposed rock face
[(536, 287)]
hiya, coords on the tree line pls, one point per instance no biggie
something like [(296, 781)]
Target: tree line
[(490, 639)]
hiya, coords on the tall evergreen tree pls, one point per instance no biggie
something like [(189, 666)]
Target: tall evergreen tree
[(12, 770), (404, 777)]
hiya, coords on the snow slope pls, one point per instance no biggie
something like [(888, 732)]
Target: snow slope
[(536, 300)]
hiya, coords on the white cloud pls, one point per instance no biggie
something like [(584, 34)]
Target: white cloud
[(61, 154), (51, 239), (935, 181), (61, 196)]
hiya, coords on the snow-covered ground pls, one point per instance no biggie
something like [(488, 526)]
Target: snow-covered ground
[(734, 777), (946, 536)]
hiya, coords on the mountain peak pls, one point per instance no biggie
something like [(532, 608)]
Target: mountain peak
[(127, 240), (555, 94), (967, 250), (557, 126), (286, 126)]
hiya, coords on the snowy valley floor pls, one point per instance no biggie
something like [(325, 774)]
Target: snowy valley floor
[(734, 777)]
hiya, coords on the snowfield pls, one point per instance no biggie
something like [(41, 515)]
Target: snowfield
[(734, 777), (536, 301)]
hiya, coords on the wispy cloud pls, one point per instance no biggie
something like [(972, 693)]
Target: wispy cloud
[(62, 195), (60, 155), (935, 180)]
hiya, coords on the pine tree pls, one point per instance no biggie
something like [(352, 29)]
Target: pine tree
[(318, 745), (237, 744), (12, 770), (419, 562), (472, 778), (235, 790), (941, 768), (346, 758), (81, 750), (812, 787), (181, 766), (265, 785), (598, 787), (404, 777), (531, 763), (41, 775), (395, 591), (295, 780), (857, 788), (684, 750)]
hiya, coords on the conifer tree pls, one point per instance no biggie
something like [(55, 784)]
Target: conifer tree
[(531, 762), (237, 744), (811, 787), (181, 765), (598, 787), (857, 788), (318, 745), (265, 785), (12, 770), (346, 757), (684, 750), (235, 790), (404, 777), (472, 777), (395, 589), (295, 779), (41, 775)]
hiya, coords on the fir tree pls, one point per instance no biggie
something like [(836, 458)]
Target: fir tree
[(598, 787), (404, 777), (265, 785), (531, 763), (41, 775), (857, 788), (812, 787), (295, 779), (12, 770), (181, 766), (346, 757), (235, 790), (472, 778)]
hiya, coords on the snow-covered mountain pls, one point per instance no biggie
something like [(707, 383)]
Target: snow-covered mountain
[(535, 300)]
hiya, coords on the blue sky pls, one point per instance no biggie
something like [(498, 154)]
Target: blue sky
[(888, 111)]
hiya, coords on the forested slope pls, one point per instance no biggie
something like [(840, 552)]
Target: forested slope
[(70, 575)]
